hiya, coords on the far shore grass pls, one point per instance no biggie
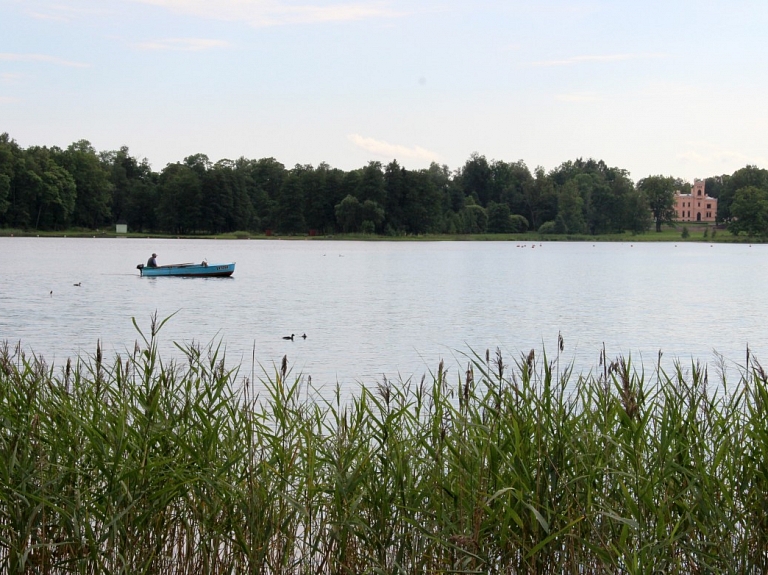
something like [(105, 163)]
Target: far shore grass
[(701, 233)]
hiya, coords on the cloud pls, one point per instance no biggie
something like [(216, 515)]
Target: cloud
[(578, 97), (574, 60), (10, 57), (711, 155), (48, 16), (275, 12), (9, 78), (62, 11), (388, 150), (184, 44)]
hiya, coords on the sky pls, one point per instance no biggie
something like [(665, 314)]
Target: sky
[(669, 87)]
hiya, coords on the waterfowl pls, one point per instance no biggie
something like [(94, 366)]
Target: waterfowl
[(288, 337), (77, 284), (304, 336)]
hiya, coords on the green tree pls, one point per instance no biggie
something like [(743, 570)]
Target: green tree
[(134, 189), (506, 184), (8, 151), (46, 192), (729, 185), (519, 223), (394, 186), (372, 212), (371, 185), (290, 217), (180, 199), (350, 184), (5, 193), (349, 214), (94, 189), (198, 162), (226, 206), (570, 208), (499, 221), (660, 194), (475, 178), (750, 212), (549, 228), (637, 217), (560, 226), (540, 199), (56, 198), (263, 180), (421, 202), (474, 218), (439, 198), (604, 191), (318, 198), (18, 203), (58, 192)]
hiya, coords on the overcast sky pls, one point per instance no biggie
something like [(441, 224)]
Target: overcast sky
[(672, 87)]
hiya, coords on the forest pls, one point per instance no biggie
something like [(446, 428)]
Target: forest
[(50, 188)]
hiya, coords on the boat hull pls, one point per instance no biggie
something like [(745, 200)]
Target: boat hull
[(189, 270)]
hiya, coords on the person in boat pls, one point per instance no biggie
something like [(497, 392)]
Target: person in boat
[(152, 262)]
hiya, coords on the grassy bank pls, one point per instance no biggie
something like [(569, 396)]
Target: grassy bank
[(696, 233), (142, 466)]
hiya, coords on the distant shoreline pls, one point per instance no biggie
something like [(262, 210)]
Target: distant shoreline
[(696, 234)]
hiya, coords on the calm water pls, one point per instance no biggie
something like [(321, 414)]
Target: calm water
[(378, 308)]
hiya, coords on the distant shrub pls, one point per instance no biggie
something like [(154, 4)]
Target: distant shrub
[(560, 226), (367, 227), (685, 233), (547, 228), (474, 219), (518, 223)]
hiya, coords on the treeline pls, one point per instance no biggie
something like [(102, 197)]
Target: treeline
[(49, 188)]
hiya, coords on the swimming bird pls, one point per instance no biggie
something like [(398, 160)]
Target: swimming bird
[(304, 336), (288, 337), (77, 284)]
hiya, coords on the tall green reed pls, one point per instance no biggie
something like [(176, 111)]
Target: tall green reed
[(188, 466)]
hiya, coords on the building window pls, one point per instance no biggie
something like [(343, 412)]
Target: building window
[(699, 193), (709, 206)]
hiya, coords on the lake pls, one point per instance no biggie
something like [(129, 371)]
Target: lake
[(394, 309)]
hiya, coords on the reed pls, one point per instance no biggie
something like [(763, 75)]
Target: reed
[(145, 466)]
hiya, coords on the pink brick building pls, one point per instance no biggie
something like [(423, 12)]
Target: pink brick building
[(696, 206)]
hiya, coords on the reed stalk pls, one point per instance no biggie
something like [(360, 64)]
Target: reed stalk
[(181, 467)]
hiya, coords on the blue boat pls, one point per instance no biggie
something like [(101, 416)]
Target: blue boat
[(201, 270)]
